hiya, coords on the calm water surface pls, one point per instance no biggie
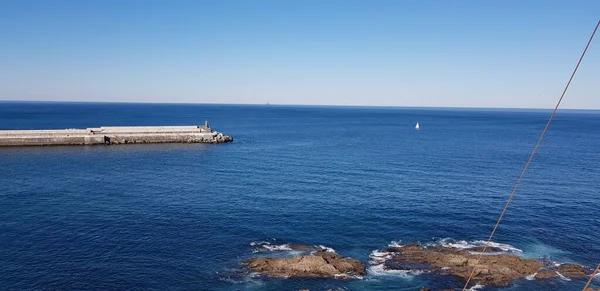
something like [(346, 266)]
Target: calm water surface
[(183, 216)]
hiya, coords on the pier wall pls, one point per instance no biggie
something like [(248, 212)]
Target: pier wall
[(113, 135)]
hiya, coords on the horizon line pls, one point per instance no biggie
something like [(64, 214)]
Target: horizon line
[(299, 105)]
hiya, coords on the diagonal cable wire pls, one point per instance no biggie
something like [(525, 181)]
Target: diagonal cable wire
[(535, 149), (591, 278)]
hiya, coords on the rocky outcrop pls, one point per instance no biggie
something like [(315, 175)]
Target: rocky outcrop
[(489, 269), (572, 271), (321, 263), (221, 138), (545, 274), (302, 248), (479, 249)]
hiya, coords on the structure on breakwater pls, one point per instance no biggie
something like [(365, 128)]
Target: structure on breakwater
[(113, 135)]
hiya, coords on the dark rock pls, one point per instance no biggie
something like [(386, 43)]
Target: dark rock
[(320, 264), (479, 249), (489, 270), (545, 274), (302, 248), (401, 264), (572, 271)]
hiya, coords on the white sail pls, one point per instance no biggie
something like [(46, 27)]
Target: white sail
[(417, 127)]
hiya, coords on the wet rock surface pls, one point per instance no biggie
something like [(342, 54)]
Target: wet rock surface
[(320, 263), (298, 247), (480, 249), (572, 271), (546, 274), (497, 268)]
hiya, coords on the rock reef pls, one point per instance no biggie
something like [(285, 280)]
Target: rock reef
[(492, 268), (318, 263)]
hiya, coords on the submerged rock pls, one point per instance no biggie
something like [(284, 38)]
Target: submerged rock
[(321, 263), (490, 269)]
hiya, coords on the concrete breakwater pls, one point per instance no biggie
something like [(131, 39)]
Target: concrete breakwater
[(113, 135)]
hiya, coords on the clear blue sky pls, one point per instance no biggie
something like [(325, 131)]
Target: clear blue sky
[(404, 53)]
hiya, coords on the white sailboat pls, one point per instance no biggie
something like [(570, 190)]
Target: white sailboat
[(417, 127)]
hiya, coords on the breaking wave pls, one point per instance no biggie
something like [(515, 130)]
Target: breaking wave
[(377, 264), (380, 270), (463, 244), (476, 287), (562, 276), (327, 249), (278, 246)]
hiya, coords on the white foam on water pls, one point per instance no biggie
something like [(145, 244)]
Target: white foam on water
[(248, 279), (379, 257), (327, 249), (531, 277), (476, 287), (538, 250), (275, 248), (262, 246), (266, 246), (377, 268), (395, 243), (348, 276), (562, 277), (257, 243), (463, 244), (380, 270)]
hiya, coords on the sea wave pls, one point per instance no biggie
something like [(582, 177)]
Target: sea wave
[(377, 265), (476, 287), (562, 276), (278, 246), (463, 244), (233, 276), (327, 249), (379, 257), (380, 270), (395, 243)]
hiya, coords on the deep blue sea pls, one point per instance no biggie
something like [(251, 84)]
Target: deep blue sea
[(184, 216)]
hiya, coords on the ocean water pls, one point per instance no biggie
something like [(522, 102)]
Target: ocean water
[(184, 216)]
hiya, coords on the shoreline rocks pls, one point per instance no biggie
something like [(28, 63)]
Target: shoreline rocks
[(498, 266), (495, 267), (318, 264)]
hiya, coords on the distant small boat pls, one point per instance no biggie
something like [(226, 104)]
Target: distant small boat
[(417, 127)]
